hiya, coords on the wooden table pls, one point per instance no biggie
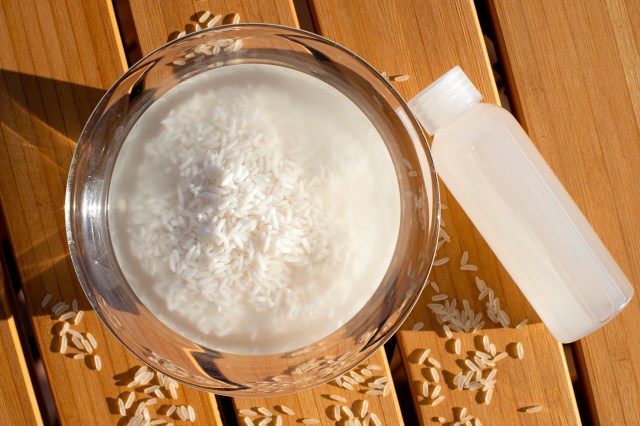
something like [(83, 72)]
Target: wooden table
[(571, 73)]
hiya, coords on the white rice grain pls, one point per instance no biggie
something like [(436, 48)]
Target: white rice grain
[(437, 401), (45, 300), (265, 411), (78, 317), (97, 362), (338, 398), (423, 356), (67, 316), (130, 399), (288, 410), (92, 340), (440, 262)]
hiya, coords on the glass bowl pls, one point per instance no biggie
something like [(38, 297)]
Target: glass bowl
[(169, 352)]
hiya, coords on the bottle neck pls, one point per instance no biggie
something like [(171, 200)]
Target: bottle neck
[(451, 116)]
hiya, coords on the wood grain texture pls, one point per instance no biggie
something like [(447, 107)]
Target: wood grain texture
[(573, 72), (57, 60), (317, 403), (424, 40), (178, 16), (18, 404), (520, 383), (156, 21)]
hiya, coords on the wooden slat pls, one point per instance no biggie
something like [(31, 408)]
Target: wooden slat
[(156, 21), (57, 60), (154, 24), (573, 70), (518, 381), (424, 40), (317, 403), (18, 404)]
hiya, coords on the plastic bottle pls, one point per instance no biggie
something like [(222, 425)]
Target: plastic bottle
[(521, 209)]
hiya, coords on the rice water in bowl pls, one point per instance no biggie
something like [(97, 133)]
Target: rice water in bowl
[(254, 209), (254, 219)]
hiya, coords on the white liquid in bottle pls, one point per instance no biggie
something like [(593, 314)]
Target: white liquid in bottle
[(521, 209)]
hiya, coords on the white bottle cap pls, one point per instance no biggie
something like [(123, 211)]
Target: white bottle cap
[(444, 100)]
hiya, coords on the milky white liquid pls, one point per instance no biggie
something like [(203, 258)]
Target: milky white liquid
[(324, 134)]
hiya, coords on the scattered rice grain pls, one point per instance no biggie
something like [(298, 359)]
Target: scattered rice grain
[(67, 316), (440, 262), (520, 350), (338, 398), (63, 344), (423, 356), (311, 421), (375, 419), (151, 389), (204, 16), (78, 317), (434, 362), (212, 23), (183, 413), (346, 410), (533, 409), (425, 389), (387, 389), (139, 409), (434, 374), (288, 410), (97, 362), (438, 400), (45, 300), (418, 326), (436, 391), (402, 77), (265, 411), (92, 340), (130, 399), (236, 18), (87, 345), (192, 413), (64, 329), (121, 407)]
